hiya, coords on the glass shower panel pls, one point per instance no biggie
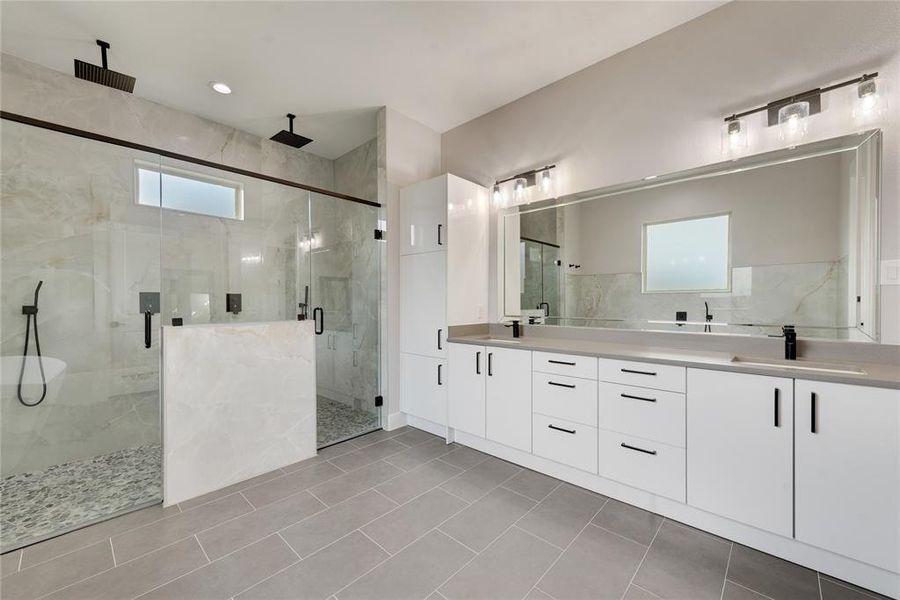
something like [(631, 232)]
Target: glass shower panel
[(81, 423), (551, 280), (345, 283)]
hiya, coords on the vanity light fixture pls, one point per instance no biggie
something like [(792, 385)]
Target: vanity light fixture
[(790, 113), (734, 136), (869, 102), (522, 181), (221, 87)]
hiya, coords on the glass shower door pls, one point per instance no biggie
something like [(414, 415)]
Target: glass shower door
[(80, 268), (345, 279)]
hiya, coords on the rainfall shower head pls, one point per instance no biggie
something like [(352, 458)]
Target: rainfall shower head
[(290, 138), (103, 75)]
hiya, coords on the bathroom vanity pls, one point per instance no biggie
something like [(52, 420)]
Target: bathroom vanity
[(802, 464)]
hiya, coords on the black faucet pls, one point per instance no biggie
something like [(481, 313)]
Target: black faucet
[(517, 330), (790, 342)]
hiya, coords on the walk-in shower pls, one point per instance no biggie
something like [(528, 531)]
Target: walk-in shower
[(116, 233)]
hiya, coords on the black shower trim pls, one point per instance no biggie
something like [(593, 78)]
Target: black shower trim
[(8, 116)]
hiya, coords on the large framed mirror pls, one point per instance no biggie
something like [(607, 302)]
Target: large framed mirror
[(741, 247)]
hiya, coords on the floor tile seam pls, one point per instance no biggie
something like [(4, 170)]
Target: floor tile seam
[(643, 558), (95, 542), (703, 532), (727, 567), (733, 582), (819, 583), (541, 590), (832, 579), (196, 537), (644, 590), (494, 541), (441, 458), (281, 537), (371, 539), (624, 537), (566, 549), (500, 484), (113, 552), (521, 495), (275, 574), (538, 537)]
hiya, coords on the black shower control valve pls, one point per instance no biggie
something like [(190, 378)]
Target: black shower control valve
[(681, 315), (233, 303), (29, 309)]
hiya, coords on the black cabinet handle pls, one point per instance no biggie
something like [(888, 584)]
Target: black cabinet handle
[(554, 427), (813, 426), (565, 385), (561, 362), (148, 318), (636, 449), (478, 363), (319, 320), (638, 398), (546, 307), (638, 372), (439, 375), (490, 364), (439, 339), (777, 407), (440, 243)]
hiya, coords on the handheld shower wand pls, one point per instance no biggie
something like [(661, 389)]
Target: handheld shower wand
[(31, 311)]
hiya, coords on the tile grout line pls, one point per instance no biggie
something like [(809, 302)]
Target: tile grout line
[(202, 549), (845, 585), (727, 566), (22, 556), (437, 529), (112, 551), (643, 558), (368, 537), (569, 545), (619, 535), (760, 594), (643, 589), (819, 582), (291, 548)]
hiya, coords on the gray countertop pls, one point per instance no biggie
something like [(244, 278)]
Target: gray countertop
[(873, 374)]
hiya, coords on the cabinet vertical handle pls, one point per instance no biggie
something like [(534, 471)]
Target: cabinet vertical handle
[(478, 363), (777, 407), (813, 427), (440, 226), (320, 321), (490, 364), (148, 319), (439, 339), (439, 375)]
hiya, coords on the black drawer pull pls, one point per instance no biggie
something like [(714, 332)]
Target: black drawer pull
[(624, 445), (813, 426), (478, 363), (561, 362), (439, 375), (565, 385), (638, 372), (638, 398), (777, 407), (561, 429)]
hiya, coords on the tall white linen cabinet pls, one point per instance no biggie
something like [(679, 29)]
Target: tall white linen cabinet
[(443, 282)]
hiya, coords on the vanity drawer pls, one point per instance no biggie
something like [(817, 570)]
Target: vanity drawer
[(565, 364), (649, 375), (651, 466), (645, 413), (565, 397), (565, 442)]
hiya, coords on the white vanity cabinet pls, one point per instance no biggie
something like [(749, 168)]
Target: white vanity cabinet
[(740, 447), (466, 378), (424, 392), (848, 471), (440, 284), (508, 397), (423, 216)]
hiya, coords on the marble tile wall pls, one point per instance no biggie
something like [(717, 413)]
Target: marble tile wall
[(807, 295), (356, 172), (240, 402)]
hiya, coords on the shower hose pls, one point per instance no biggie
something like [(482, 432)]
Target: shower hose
[(31, 312)]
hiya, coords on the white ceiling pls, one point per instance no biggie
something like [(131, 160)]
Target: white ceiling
[(334, 63)]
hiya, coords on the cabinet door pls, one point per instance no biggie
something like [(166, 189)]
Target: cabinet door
[(424, 392), (739, 447), (423, 304), (848, 471), (508, 397), (466, 372), (423, 216)]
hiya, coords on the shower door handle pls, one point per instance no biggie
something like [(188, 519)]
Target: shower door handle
[(546, 307), (319, 319), (148, 318)]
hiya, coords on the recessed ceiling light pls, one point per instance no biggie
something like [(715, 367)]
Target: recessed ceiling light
[(650, 177), (218, 86)]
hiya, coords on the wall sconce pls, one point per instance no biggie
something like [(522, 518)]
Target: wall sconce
[(870, 101), (791, 114), (523, 181)]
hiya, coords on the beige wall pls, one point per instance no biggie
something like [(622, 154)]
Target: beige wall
[(658, 107)]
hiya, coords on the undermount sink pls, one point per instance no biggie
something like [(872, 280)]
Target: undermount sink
[(497, 340), (799, 364)]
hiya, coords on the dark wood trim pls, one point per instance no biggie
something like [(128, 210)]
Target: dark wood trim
[(528, 239), (89, 135)]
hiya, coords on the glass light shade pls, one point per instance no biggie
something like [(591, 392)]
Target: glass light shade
[(519, 188), (734, 137), (870, 102), (793, 121), (497, 195), (546, 181)]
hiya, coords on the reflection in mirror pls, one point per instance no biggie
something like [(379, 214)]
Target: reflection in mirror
[(742, 248)]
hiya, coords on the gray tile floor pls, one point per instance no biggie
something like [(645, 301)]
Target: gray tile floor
[(396, 515)]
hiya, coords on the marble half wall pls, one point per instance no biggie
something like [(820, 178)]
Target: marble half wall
[(239, 400)]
